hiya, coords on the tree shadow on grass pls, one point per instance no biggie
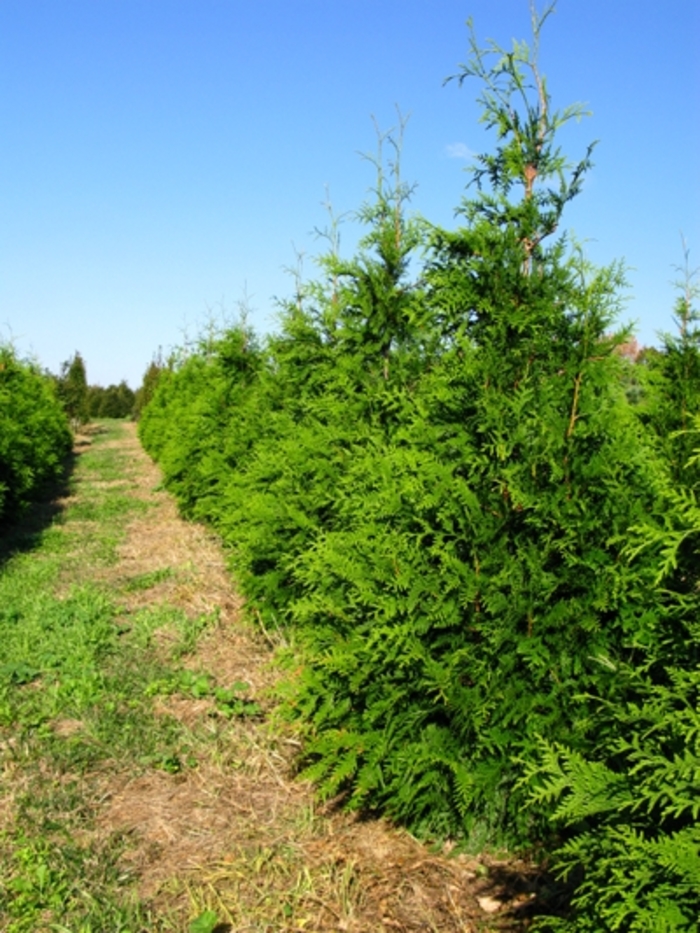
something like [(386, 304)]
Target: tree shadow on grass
[(23, 532), (525, 893)]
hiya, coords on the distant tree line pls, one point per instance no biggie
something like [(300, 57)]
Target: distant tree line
[(114, 401), (83, 402)]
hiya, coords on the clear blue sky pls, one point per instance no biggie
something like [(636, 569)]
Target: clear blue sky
[(160, 157)]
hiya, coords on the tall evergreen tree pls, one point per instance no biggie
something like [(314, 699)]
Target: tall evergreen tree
[(149, 383), (73, 390), (473, 582)]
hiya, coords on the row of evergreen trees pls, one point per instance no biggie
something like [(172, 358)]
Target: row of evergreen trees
[(474, 518), (37, 412), (34, 435)]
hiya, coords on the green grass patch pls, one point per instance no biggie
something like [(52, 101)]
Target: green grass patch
[(105, 508), (77, 700), (57, 877)]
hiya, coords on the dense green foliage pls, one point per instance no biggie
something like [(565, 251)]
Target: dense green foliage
[(83, 401), (34, 433), (631, 804), (432, 479), (672, 379), (72, 389), (113, 401), (146, 390)]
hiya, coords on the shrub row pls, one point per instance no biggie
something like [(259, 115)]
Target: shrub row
[(34, 433), (434, 480)]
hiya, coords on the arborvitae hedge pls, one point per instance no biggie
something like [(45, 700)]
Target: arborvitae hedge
[(472, 578), (34, 433), (185, 423), (671, 376), (433, 479), (628, 806)]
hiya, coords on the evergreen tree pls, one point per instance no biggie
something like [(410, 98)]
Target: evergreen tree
[(73, 390), (184, 425), (378, 312), (626, 809), (149, 383), (115, 401), (673, 382), (34, 434), (473, 578), (434, 490), (335, 382), (438, 485)]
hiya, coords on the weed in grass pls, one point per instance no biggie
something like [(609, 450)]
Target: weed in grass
[(267, 888), (84, 674), (191, 630), (145, 581), (60, 642), (206, 922), (229, 702), (57, 884), (24, 575), (135, 736), (143, 624), (94, 519), (106, 466), (75, 707), (168, 626)]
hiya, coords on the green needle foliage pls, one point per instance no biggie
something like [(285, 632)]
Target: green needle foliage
[(375, 311), (184, 424), (432, 479), (671, 376), (146, 390), (629, 809), (34, 434), (258, 449), (475, 572), (339, 377), (72, 388)]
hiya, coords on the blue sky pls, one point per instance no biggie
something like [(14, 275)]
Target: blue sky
[(161, 158)]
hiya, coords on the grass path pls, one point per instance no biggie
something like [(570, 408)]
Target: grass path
[(142, 786)]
